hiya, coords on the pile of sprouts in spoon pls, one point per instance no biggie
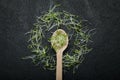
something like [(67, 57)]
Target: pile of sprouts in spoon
[(58, 40)]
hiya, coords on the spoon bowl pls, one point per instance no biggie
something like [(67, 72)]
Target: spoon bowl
[(59, 40)]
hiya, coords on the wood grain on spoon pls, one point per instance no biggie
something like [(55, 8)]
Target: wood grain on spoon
[(59, 41)]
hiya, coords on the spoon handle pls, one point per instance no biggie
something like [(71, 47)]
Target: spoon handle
[(59, 66)]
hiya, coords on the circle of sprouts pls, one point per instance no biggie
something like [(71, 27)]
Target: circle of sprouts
[(41, 33)]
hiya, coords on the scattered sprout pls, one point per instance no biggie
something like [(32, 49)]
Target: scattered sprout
[(40, 36)]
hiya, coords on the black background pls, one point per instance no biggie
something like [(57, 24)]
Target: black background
[(17, 17)]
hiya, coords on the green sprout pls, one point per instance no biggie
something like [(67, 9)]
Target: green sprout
[(79, 37)]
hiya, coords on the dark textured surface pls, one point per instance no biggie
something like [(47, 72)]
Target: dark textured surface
[(17, 17)]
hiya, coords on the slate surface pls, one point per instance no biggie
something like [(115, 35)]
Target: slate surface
[(17, 17)]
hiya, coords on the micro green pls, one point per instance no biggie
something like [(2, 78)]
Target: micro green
[(46, 23)]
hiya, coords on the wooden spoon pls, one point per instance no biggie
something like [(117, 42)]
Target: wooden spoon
[(59, 42)]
